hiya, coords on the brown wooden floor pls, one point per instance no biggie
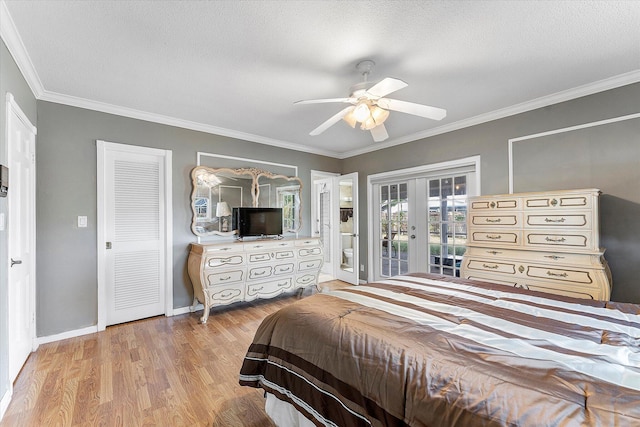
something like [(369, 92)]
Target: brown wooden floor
[(162, 371)]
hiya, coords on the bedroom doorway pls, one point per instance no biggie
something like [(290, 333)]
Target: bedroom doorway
[(335, 221), (419, 218), (134, 233)]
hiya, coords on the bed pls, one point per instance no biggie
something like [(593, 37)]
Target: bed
[(428, 350)]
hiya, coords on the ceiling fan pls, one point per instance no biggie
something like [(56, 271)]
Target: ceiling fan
[(370, 108)]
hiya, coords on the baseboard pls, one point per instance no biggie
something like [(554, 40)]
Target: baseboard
[(187, 309), (68, 334), (6, 399)]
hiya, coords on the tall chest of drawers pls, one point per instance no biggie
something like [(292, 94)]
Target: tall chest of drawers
[(545, 241), (230, 272)]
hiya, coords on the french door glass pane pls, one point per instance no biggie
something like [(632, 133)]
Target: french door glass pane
[(394, 220), (447, 204)]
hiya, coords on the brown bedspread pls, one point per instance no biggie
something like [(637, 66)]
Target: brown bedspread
[(426, 350)]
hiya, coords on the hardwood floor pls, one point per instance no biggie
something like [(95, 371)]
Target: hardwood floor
[(162, 371)]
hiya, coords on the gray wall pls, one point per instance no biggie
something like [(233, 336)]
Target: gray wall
[(11, 80), (66, 188), (604, 157)]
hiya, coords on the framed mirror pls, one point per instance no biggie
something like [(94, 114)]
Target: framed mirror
[(216, 191)]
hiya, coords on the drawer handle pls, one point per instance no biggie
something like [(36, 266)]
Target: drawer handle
[(555, 220), (225, 249), (283, 244), (556, 274), (283, 284), (554, 257), (227, 295), (493, 220), (494, 237), (551, 239), (260, 273), (494, 252), (310, 265), (493, 267), (258, 289), (222, 279), (258, 246)]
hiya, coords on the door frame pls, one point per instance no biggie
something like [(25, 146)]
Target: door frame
[(102, 148), (315, 209), (409, 173)]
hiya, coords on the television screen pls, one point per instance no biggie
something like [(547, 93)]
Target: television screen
[(257, 221)]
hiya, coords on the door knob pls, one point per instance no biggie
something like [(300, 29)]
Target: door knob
[(15, 261), (413, 236)]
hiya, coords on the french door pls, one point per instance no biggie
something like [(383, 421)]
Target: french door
[(420, 221)]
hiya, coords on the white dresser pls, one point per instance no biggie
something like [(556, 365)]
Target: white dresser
[(545, 241), (224, 273)]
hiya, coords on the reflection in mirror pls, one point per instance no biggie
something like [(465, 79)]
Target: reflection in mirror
[(216, 191)]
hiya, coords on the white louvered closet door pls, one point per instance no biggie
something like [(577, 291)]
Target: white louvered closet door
[(134, 224)]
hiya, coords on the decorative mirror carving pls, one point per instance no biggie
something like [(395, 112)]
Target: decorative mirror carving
[(216, 191)]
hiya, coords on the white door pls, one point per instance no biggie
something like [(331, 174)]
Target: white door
[(322, 222), (346, 188), (21, 226), (134, 237)]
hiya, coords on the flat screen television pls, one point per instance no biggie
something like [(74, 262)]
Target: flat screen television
[(257, 221)]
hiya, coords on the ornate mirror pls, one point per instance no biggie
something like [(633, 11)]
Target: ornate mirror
[(216, 191)]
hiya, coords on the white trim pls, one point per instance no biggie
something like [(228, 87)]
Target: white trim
[(401, 173), (68, 334), (557, 131), (167, 155), (12, 105), (6, 399), (12, 39), (187, 309)]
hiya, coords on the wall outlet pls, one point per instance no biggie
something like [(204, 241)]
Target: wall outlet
[(362, 268), (82, 221)]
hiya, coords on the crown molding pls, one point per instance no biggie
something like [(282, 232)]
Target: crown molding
[(103, 107), (556, 98), (13, 41)]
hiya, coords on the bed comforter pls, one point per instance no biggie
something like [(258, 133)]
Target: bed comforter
[(426, 350)]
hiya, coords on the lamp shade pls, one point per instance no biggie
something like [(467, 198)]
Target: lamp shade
[(222, 209)]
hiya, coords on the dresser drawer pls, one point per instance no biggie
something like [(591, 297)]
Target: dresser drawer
[(490, 266), (281, 269), (557, 274), (260, 272), (225, 277), (284, 254), (495, 237), (549, 219), (259, 257), (227, 294), (267, 245), (311, 251), (268, 289), (222, 260), (492, 203), (559, 201), (568, 291), (553, 239), (312, 264), (496, 220), (306, 279)]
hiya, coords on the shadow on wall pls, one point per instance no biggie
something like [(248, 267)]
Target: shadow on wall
[(620, 235)]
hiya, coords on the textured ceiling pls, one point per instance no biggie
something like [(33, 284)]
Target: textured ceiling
[(236, 67)]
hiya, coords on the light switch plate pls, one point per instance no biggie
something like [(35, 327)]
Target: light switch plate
[(2, 221), (82, 221)]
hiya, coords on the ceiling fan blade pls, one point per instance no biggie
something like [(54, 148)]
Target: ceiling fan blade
[(379, 133), (322, 101), (385, 87), (433, 113), (332, 121)]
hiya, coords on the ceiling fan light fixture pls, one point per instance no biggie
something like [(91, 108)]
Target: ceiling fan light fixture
[(368, 124), (350, 119), (362, 113), (379, 115)]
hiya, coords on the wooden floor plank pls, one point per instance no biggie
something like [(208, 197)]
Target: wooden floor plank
[(162, 371)]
